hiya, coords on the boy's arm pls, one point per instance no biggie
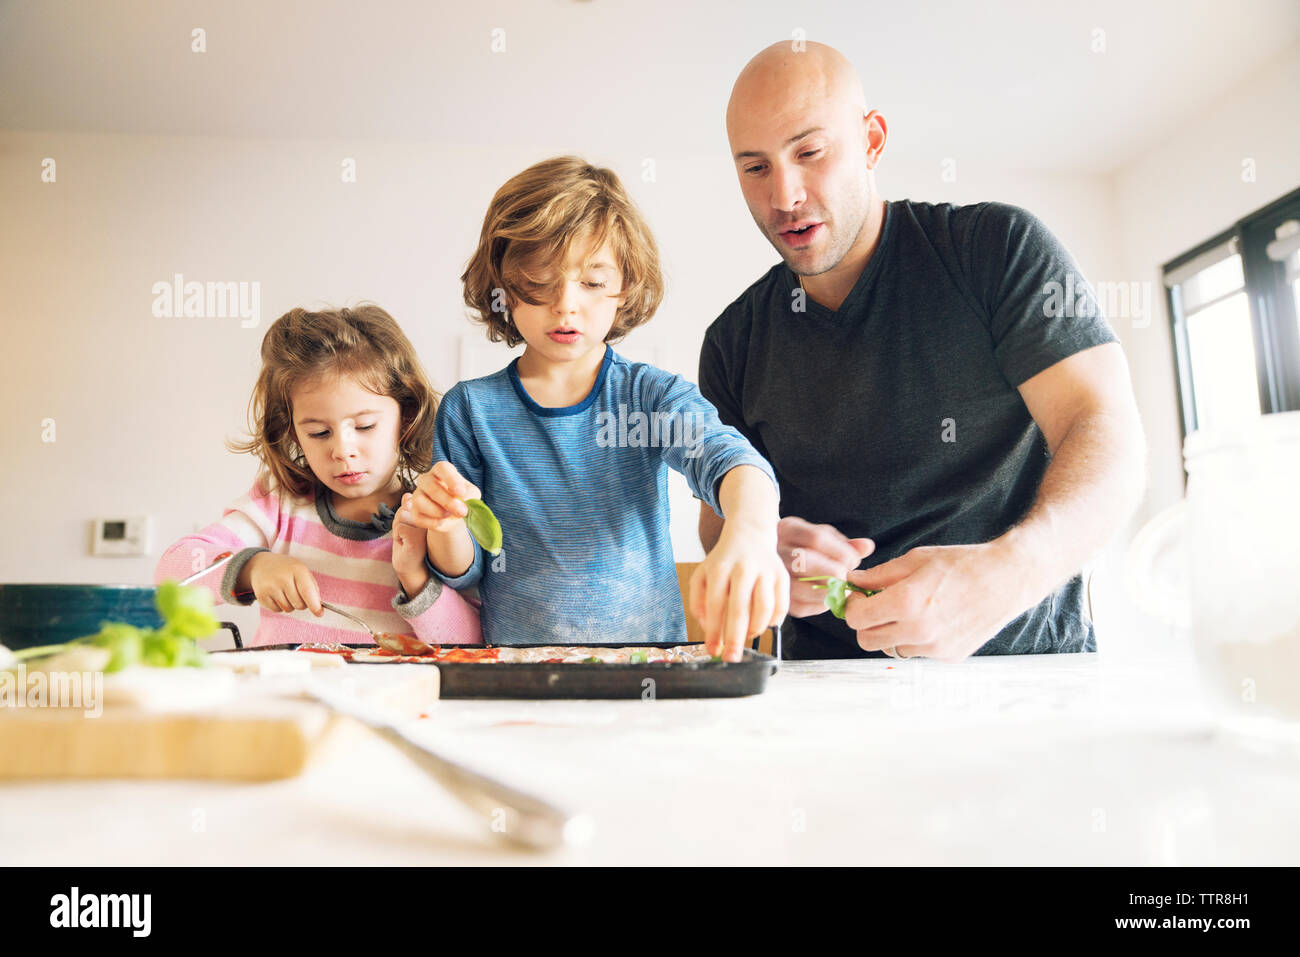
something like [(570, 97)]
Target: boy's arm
[(749, 505), (710, 528), (451, 553), (741, 588)]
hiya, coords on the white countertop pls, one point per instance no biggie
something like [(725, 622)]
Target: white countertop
[(1053, 759)]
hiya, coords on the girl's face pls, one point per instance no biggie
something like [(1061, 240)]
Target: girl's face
[(349, 435), (583, 312)]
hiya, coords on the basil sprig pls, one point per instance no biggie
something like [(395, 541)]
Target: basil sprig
[(837, 592)]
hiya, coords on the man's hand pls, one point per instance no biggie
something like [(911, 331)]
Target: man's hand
[(939, 601), (809, 550), (946, 601)]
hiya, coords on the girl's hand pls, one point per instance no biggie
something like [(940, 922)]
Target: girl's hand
[(281, 583), (739, 591), (409, 549), (438, 502)]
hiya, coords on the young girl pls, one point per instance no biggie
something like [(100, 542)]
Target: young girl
[(570, 444), (340, 418)]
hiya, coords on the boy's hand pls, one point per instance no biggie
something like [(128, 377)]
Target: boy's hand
[(739, 591), (281, 583), (438, 502)]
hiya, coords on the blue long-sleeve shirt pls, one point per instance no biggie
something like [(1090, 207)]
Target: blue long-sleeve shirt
[(582, 496)]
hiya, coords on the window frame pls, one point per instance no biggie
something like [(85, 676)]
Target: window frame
[(1272, 312)]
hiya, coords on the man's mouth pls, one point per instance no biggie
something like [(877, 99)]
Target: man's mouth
[(801, 234), (350, 478)]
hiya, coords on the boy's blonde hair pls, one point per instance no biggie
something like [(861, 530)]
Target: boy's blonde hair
[(364, 342), (530, 227)]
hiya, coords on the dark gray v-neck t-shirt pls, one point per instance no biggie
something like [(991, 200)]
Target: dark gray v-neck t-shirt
[(897, 417)]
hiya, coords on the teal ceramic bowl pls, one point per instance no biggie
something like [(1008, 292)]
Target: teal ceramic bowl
[(33, 615)]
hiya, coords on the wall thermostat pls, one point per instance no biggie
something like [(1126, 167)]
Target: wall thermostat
[(117, 537)]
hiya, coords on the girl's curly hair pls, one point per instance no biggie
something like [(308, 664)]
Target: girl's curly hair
[(364, 342)]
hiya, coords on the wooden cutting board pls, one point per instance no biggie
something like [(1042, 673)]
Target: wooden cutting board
[(262, 732)]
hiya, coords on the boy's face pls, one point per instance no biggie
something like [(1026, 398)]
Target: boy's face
[(348, 434), (581, 315)]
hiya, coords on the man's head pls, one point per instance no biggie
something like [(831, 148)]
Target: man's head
[(805, 147)]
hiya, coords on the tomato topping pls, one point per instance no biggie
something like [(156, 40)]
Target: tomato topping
[(470, 654)]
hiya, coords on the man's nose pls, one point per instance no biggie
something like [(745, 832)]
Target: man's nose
[(787, 188)]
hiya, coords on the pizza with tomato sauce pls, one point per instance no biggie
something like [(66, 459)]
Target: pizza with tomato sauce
[(526, 654)]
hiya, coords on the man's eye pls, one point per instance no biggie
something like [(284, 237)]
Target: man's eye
[(809, 153), (318, 435), (365, 428), (754, 169)]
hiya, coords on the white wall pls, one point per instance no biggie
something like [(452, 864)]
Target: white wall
[(1182, 190), (1186, 188), (142, 405)]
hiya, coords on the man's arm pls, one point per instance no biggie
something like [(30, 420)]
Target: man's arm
[(1085, 408), (947, 601)]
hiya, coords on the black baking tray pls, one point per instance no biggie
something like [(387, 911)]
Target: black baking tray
[(649, 681)]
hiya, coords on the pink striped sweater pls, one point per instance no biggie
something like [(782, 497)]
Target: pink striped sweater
[(351, 561)]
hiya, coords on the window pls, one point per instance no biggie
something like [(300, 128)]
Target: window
[(1234, 302), (1289, 241)]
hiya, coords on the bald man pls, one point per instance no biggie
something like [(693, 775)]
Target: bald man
[(929, 403)]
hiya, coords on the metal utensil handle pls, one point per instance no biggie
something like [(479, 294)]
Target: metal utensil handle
[(217, 563), (339, 611), (517, 816)]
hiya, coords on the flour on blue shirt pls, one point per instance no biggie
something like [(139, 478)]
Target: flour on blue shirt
[(582, 496)]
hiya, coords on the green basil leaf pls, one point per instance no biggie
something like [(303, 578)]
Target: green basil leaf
[(483, 525), (837, 592), (186, 610), (191, 623), (836, 596)]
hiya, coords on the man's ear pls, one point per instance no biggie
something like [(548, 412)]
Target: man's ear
[(874, 131)]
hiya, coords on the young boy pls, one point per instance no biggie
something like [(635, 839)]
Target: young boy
[(571, 443)]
